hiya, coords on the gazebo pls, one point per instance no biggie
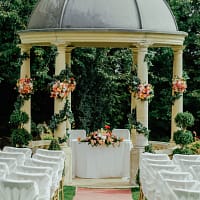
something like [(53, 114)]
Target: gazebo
[(138, 25)]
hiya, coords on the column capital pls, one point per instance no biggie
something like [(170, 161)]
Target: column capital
[(178, 49), (25, 48), (69, 49), (143, 45)]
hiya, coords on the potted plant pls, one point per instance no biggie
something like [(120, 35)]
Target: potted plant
[(183, 137)]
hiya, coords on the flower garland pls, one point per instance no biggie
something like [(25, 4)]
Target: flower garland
[(62, 89), (145, 92), (25, 87), (179, 85)]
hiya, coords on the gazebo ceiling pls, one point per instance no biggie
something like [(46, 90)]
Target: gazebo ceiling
[(152, 15)]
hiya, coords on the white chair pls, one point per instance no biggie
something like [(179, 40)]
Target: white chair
[(54, 166), (35, 170), (4, 169), (123, 133), (154, 156), (186, 164), (187, 194), (51, 153), (43, 181), (74, 134), (177, 157), (195, 170), (18, 189), (11, 163), (20, 157), (26, 151), (167, 180)]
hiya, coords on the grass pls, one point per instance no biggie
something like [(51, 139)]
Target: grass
[(69, 192), (135, 193)]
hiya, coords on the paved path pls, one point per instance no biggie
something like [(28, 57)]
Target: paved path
[(102, 194)]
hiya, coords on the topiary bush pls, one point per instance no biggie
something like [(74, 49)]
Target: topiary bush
[(183, 137), (20, 137), (54, 145)]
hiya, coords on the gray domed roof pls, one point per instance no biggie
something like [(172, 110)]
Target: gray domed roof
[(134, 15)]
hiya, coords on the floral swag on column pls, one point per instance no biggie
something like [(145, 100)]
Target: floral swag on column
[(142, 91), (179, 86), (61, 86)]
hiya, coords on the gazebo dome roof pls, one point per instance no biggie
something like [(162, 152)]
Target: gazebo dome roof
[(125, 15)]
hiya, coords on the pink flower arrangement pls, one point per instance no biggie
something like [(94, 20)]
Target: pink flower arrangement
[(62, 89), (145, 92), (179, 85), (25, 86), (98, 139)]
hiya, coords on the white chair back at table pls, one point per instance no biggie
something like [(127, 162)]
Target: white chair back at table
[(42, 180), (20, 157), (123, 133), (22, 190), (195, 170), (26, 151), (11, 163), (154, 156), (74, 134)]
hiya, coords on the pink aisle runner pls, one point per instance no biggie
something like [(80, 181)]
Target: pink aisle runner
[(102, 194)]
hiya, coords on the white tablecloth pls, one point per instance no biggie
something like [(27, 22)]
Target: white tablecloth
[(100, 162)]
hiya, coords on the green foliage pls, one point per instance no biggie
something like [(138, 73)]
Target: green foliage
[(184, 120), (183, 137), (185, 151), (140, 128), (20, 137), (63, 115), (54, 145), (18, 117)]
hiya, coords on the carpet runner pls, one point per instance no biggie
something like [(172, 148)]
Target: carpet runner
[(102, 194)]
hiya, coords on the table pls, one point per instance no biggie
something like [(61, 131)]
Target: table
[(101, 161)]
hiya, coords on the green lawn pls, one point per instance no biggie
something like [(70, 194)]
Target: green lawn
[(69, 192)]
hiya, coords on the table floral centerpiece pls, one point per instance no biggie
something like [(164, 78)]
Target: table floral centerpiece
[(102, 137)]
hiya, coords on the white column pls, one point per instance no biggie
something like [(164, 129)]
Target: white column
[(60, 65), (177, 71), (142, 73), (25, 72), (68, 62)]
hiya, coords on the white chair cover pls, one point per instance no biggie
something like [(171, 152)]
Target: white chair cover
[(18, 190), (20, 157), (186, 164), (58, 160), (54, 166), (123, 133), (51, 153), (154, 156), (11, 163), (35, 170), (177, 157), (43, 181), (195, 170), (4, 168), (25, 151), (2, 174), (185, 194), (74, 134)]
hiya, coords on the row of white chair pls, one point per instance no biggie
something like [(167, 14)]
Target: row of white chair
[(43, 172), (162, 178)]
